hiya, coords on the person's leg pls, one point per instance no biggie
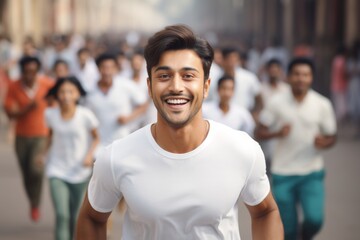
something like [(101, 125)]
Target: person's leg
[(77, 192), (60, 196), (36, 170), (285, 197), (22, 150), (312, 196)]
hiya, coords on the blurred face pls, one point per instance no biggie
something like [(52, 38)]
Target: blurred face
[(68, 94), (300, 78), (29, 73), (226, 91), (108, 69), (61, 70), (274, 72), (231, 61), (177, 87), (83, 57), (137, 62)]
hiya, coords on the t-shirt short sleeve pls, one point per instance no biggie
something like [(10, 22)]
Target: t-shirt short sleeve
[(267, 115), (91, 120), (103, 193), (328, 124), (49, 112), (257, 186)]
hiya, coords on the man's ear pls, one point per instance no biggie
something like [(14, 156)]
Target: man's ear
[(148, 81), (207, 87)]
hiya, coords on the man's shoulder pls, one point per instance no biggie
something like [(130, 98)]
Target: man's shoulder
[(229, 134)]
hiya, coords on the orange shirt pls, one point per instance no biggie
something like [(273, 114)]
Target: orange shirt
[(32, 124)]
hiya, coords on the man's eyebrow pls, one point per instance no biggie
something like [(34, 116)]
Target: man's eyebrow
[(168, 68), (162, 68)]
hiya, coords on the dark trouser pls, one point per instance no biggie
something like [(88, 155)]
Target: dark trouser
[(28, 149), (308, 191), (67, 199)]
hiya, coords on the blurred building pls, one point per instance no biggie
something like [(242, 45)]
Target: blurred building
[(321, 24)]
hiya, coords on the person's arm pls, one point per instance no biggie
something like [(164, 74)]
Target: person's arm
[(137, 112), (89, 158), (265, 220), (323, 141), (257, 107), (91, 224), (16, 113), (262, 132)]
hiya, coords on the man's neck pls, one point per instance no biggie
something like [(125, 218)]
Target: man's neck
[(183, 139), (105, 84), (224, 106), (136, 76), (299, 97)]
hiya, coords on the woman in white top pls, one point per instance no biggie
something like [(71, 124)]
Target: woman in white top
[(72, 140)]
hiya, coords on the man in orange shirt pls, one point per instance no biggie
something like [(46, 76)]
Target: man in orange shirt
[(25, 103)]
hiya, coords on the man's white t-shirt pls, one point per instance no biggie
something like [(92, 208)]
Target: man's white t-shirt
[(296, 154), (70, 143), (188, 196), (118, 101), (237, 117)]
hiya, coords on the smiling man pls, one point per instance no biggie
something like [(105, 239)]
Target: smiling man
[(183, 176)]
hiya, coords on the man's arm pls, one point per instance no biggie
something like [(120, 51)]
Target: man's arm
[(265, 220), (323, 141), (262, 132), (91, 224)]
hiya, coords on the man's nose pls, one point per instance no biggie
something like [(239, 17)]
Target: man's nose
[(176, 84)]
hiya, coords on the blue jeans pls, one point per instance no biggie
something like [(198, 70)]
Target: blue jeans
[(67, 199), (306, 190)]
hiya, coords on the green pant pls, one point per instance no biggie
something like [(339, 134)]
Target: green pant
[(306, 191), (67, 199), (27, 151)]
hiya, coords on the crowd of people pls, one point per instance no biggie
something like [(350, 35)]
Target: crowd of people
[(70, 98)]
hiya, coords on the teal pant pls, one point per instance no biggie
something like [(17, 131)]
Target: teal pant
[(306, 191), (67, 199)]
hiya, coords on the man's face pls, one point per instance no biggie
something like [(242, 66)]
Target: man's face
[(29, 73), (137, 62), (274, 72), (83, 57), (177, 87), (300, 78), (226, 91), (108, 69), (231, 61), (61, 70)]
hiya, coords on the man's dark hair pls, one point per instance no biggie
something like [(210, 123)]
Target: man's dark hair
[(104, 57), (226, 51), (223, 79), (301, 61), (177, 37), (29, 59), (273, 61), (58, 62)]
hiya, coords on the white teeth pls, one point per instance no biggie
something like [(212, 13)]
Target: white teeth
[(176, 101)]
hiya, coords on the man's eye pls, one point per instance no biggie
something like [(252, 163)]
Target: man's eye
[(164, 76), (188, 76)]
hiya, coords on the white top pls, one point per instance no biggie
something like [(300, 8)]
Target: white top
[(70, 143), (296, 154), (247, 87), (237, 117), (88, 76), (180, 196), (268, 92), (119, 101)]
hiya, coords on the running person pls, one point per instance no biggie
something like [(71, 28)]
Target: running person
[(183, 176), (72, 141)]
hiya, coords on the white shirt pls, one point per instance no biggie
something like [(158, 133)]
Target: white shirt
[(118, 101), (88, 76), (237, 117), (70, 143), (247, 87), (268, 92), (180, 196), (296, 154)]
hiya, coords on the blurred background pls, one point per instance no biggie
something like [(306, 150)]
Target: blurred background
[(318, 29), (317, 26)]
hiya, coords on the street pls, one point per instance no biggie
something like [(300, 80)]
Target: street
[(342, 191)]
